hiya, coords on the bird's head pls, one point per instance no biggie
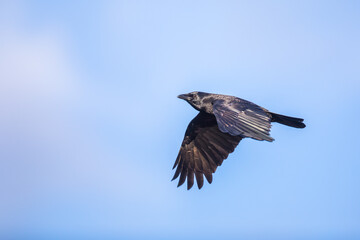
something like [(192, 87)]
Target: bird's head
[(194, 99)]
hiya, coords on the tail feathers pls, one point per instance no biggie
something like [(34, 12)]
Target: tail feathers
[(288, 121)]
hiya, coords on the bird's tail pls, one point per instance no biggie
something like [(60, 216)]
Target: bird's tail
[(288, 121)]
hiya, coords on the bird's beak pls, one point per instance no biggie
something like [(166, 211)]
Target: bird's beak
[(185, 97)]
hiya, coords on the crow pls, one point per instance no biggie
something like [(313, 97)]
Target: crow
[(214, 133)]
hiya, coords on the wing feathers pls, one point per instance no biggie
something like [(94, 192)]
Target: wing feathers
[(177, 160), (199, 179), (182, 177), (241, 118), (179, 168), (208, 177), (204, 148), (190, 178)]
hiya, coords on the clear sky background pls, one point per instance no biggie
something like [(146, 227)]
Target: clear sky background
[(90, 125)]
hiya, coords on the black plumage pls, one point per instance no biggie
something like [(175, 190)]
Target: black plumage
[(218, 128)]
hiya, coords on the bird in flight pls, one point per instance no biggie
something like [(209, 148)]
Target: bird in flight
[(214, 133)]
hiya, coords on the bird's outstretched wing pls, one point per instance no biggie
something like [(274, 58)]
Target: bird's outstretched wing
[(203, 149), (242, 118)]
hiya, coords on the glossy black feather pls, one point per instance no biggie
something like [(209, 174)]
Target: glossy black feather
[(242, 118), (288, 121), (204, 148)]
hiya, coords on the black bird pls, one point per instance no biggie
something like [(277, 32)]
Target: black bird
[(218, 128)]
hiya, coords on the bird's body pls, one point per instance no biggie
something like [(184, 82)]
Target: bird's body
[(215, 132)]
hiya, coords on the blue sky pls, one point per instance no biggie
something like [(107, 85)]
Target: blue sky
[(90, 124)]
